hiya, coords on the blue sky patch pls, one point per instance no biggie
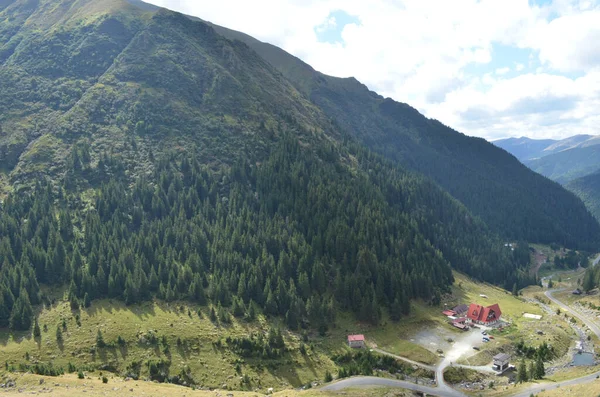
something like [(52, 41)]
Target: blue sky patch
[(330, 31), (503, 57)]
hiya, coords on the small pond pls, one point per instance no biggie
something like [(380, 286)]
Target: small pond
[(583, 359)]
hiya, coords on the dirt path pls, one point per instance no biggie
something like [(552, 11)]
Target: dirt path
[(418, 364)]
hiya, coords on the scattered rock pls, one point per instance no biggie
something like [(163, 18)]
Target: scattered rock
[(41, 381)]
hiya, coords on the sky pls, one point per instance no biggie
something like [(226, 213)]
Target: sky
[(488, 68)]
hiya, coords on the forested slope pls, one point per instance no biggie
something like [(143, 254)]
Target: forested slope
[(510, 198), (588, 189), (568, 165), (146, 156)]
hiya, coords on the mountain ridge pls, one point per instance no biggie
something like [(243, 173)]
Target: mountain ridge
[(401, 133), (560, 160), (184, 166)]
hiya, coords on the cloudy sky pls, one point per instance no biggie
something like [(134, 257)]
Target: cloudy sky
[(490, 68)]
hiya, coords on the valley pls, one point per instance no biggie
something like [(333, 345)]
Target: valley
[(187, 210), (192, 343)]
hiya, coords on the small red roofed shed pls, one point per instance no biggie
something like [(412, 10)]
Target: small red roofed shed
[(356, 341)]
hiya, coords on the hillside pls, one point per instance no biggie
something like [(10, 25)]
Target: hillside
[(560, 160), (483, 177), (525, 148), (568, 165), (588, 189), (186, 167), (168, 193)]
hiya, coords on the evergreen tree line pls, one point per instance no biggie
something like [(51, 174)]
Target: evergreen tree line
[(300, 235)]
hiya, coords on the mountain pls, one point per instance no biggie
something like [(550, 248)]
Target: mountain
[(149, 160), (568, 165), (572, 142), (147, 156), (573, 162), (588, 189), (483, 177), (560, 160), (525, 148)]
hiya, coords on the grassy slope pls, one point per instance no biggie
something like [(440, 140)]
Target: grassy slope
[(210, 366), (70, 386), (215, 367), (590, 389), (557, 331)]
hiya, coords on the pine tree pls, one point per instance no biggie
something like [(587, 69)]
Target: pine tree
[(522, 372), (86, 300), (100, 340), (59, 335), (251, 313), (531, 371), (396, 310), (588, 281), (5, 311), (238, 307), (37, 333), (540, 372), (22, 312)]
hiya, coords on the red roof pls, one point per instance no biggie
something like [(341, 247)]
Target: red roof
[(356, 338), (484, 314), (448, 312), (459, 320)]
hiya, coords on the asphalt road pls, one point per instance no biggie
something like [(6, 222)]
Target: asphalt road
[(572, 382), (370, 381)]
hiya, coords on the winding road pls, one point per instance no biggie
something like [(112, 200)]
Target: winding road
[(370, 381), (444, 390)]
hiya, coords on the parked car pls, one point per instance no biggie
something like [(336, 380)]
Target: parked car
[(491, 336), (475, 348), (484, 332)]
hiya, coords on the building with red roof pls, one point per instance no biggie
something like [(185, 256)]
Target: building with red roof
[(356, 341), (484, 315), (460, 323)]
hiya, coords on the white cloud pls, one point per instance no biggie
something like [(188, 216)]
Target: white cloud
[(569, 43), (438, 55)]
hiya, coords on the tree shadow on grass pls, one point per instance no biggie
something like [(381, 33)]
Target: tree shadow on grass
[(16, 336), (142, 310)]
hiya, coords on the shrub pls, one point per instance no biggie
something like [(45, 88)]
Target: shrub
[(80, 375), (104, 379)]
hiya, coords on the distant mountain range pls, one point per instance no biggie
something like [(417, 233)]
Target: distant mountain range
[(574, 162), (527, 149)]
